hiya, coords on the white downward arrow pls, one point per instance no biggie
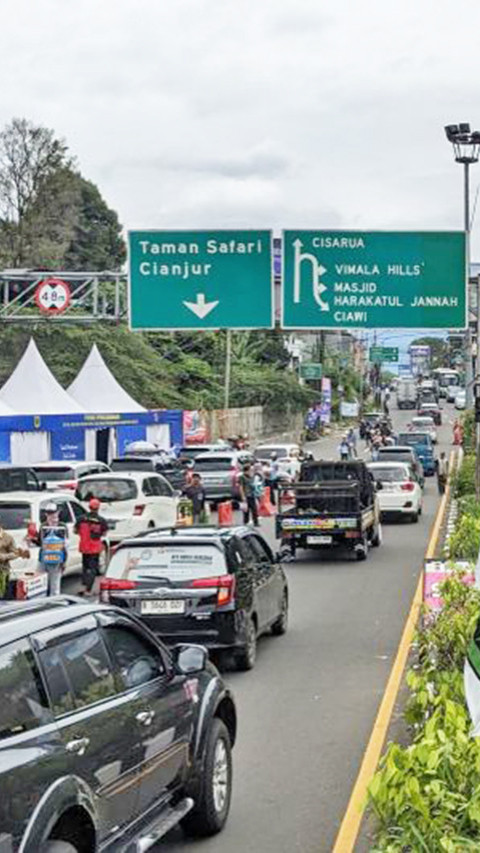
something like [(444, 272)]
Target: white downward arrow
[(200, 307)]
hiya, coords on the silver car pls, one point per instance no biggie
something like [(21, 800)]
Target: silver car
[(220, 473)]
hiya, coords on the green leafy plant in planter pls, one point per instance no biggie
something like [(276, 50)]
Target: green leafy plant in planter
[(426, 796)]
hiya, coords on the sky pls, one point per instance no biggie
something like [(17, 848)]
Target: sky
[(254, 113)]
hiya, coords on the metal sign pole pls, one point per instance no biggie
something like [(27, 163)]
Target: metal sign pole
[(228, 364)]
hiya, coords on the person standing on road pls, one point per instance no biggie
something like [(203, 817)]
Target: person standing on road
[(91, 528), (352, 441), (8, 552), (442, 472), (344, 449), (246, 483), (52, 541), (195, 492)]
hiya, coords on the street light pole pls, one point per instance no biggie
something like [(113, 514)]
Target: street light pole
[(466, 145)]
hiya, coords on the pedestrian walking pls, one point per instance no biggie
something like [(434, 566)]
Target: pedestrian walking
[(442, 472), (352, 441), (8, 552), (91, 528), (344, 449), (196, 493), (273, 477), (52, 540), (246, 483)]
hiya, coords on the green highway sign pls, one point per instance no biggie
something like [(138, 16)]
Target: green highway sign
[(311, 371), (374, 279), (200, 280), (383, 353)]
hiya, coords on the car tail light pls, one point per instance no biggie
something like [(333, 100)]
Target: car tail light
[(138, 509), (225, 587), (71, 485), (408, 487), (108, 585)]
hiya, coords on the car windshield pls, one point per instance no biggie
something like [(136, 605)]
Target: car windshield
[(54, 473), (132, 465), (219, 463), (412, 438), (108, 491), (395, 455), (15, 516), (420, 423), (266, 452), (389, 475), (174, 562)]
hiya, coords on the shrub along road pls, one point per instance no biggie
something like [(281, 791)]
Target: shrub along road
[(307, 709)]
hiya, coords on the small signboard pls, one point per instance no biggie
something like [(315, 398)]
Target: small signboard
[(383, 353), (52, 296), (311, 371)]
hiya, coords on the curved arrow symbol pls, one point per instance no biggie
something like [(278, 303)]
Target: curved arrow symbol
[(200, 307)]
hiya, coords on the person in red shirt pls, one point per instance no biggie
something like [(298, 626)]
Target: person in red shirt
[(91, 528)]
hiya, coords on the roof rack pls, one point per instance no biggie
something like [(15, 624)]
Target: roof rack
[(10, 609)]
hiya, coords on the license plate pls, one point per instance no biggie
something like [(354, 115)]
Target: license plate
[(161, 607), (319, 540)]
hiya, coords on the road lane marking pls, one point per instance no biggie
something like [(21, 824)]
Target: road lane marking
[(352, 819)]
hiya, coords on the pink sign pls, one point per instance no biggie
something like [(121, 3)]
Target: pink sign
[(436, 571), (195, 429)]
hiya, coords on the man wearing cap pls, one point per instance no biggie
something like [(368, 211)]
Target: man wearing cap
[(91, 529)]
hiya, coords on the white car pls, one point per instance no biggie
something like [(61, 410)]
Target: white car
[(288, 456), (66, 474), (451, 393), (131, 502), (460, 399), (424, 423), (20, 509), (400, 491)]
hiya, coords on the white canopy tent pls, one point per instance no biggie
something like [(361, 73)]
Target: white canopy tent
[(97, 390), (33, 390)]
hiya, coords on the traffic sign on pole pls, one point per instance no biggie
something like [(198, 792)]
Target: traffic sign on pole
[(383, 353), (374, 279), (311, 370), (200, 280)]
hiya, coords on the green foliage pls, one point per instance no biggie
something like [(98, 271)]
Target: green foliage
[(467, 420), (50, 216), (463, 482), (160, 371), (438, 349), (96, 242), (464, 543), (427, 795)]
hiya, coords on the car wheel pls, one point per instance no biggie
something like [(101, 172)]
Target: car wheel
[(58, 847), (420, 509), (280, 626), (414, 517), (213, 804), (377, 537), (247, 655)]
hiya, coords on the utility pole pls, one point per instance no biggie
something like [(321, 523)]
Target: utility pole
[(228, 365)]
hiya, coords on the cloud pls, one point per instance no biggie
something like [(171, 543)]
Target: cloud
[(280, 112)]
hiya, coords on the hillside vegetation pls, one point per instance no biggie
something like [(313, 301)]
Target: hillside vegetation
[(163, 370)]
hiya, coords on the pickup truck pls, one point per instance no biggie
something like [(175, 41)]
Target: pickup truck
[(335, 504)]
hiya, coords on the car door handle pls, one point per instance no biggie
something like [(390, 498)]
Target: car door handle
[(78, 745), (145, 717)]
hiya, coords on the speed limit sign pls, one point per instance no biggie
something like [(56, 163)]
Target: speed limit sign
[(52, 296)]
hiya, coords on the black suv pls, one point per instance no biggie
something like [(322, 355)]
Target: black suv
[(107, 739), (221, 587)]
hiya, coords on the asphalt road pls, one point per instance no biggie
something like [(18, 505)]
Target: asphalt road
[(307, 709)]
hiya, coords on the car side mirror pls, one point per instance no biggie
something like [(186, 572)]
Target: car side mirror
[(379, 486), (177, 493), (189, 660)]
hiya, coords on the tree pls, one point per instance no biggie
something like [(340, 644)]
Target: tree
[(29, 156), (438, 349), (97, 242)]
